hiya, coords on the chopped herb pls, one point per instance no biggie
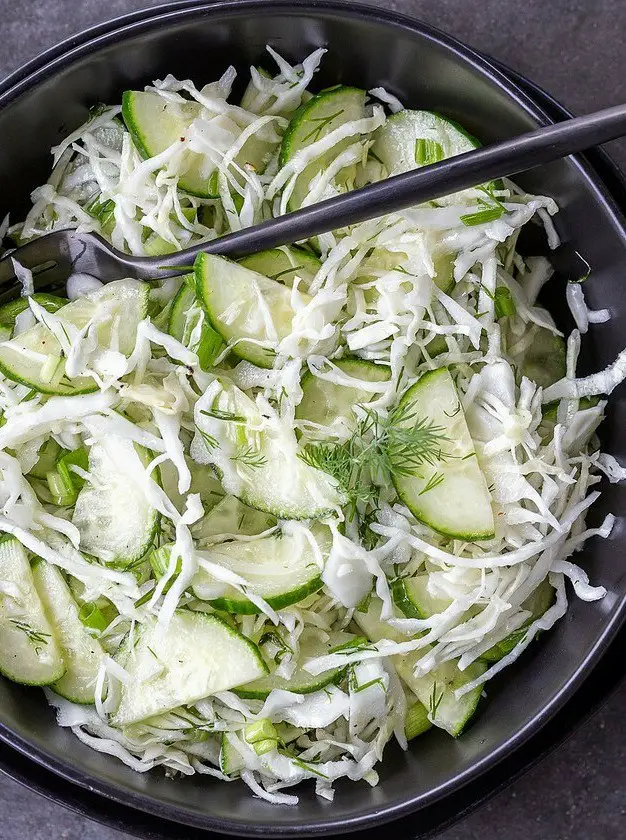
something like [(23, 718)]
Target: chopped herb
[(483, 216), (428, 151), (504, 305), (399, 445), (323, 122), (250, 457), (218, 414), (434, 481), (306, 765), (434, 701), (209, 441), (37, 638)]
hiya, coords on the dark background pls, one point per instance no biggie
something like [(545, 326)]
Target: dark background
[(574, 49)]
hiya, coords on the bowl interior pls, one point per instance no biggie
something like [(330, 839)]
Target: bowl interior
[(368, 49)]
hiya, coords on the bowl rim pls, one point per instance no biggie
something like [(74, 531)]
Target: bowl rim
[(93, 39)]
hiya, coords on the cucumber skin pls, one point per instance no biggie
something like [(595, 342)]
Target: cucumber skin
[(42, 389), (403, 602), (9, 311), (332, 678), (300, 114), (279, 602), (127, 115)]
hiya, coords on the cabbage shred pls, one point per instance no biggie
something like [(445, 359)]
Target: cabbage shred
[(376, 297)]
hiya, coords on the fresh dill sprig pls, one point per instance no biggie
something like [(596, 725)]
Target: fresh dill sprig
[(35, 637), (250, 457), (218, 414), (434, 701), (434, 481), (378, 448), (209, 441)]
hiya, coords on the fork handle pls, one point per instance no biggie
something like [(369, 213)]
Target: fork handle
[(398, 192)]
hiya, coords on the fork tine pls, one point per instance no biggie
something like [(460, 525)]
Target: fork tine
[(46, 249)]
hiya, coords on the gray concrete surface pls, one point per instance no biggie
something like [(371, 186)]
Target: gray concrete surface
[(575, 49)]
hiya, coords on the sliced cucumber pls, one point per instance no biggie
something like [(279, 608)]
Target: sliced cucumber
[(238, 301), (203, 482), (382, 260), (450, 495), (230, 516), (82, 653), (30, 652), (196, 656), (325, 402), (544, 361), (412, 596), (285, 264), (436, 691), (417, 721), (156, 124), (537, 603), (280, 568), (35, 357), (116, 522), (410, 139), (231, 760), (262, 468), (183, 325), (370, 622), (313, 120), (300, 682), (9, 311)]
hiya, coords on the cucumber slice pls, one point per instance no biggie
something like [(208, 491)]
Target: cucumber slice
[(236, 300), (370, 623), (314, 120), (9, 311), (230, 516), (324, 402), (183, 325), (411, 595), (383, 260), (280, 568), (537, 603), (116, 522), (30, 652), (544, 361), (300, 682), (411, 139), (196, 656), (262, 468), (125, 300), (81, 652), (285, 264), (203, 482), (155, 125), (450, 495), (436, 691), (417, 721), (231, 760)]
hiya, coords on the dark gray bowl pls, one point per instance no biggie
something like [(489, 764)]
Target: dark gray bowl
[(367, 47)]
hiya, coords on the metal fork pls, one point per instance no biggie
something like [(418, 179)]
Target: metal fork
[(55, 256)]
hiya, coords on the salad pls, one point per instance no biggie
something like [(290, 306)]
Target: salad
[(262, 519)]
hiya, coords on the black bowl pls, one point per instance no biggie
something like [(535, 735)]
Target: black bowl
[(367, 47)]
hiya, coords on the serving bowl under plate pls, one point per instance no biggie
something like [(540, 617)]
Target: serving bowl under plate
[(366, 47)]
